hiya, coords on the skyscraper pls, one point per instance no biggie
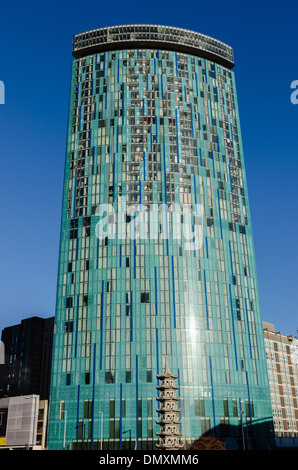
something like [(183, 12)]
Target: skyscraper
[(156, 253)]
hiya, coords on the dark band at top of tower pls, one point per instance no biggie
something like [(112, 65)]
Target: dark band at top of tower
[(152, 37)]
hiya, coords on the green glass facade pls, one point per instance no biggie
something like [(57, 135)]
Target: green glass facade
[(153, 127)]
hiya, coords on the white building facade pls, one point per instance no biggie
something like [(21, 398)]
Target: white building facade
[(23, 422)]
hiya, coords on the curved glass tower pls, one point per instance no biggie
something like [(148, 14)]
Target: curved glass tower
[(156, 253)]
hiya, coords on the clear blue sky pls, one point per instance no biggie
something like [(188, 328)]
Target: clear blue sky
[(36, 43)]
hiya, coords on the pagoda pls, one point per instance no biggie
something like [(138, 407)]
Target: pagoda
[(169, 434)]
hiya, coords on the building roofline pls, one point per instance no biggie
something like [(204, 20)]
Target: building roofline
[(147, 36)]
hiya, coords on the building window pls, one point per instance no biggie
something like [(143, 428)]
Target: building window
[(62, 410), (145, 297), (88, 409)]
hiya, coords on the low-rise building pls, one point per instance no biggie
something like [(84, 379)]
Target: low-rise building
[(23, 422), (282, 361)]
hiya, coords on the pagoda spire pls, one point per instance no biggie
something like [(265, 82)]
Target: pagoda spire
[(169, 434), (167, 372)]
